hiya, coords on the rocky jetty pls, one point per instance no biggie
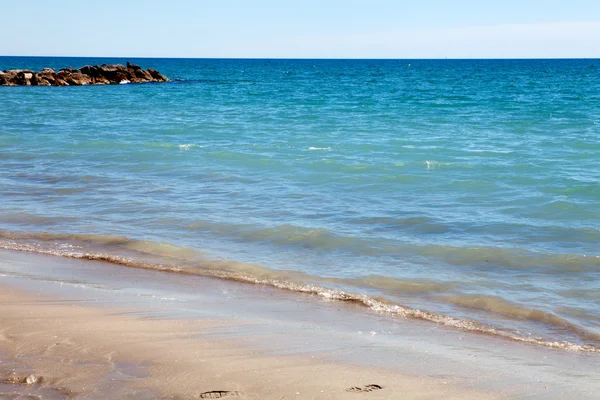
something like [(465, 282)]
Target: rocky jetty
[(88, 75)]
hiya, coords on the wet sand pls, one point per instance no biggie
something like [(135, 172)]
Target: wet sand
[(99, 352), (93, 330)]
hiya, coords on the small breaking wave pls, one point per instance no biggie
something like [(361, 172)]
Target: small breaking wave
[(405, 286), (509, 310), (174, 259), (22, 217), (325, 239)]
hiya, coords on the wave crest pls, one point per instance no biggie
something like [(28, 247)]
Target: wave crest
[(74, 246)]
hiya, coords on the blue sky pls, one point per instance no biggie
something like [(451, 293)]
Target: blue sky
[(303, 28)]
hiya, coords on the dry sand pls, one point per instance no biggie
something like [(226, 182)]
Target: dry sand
[(73, 350)]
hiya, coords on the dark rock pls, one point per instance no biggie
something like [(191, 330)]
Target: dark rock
[(144, 75), (6, 79), (23, 78), (112, 67), (96, 71), (87, 70), (45, 77), (157, 76), (114, 73), (133, 66), (100, 80), (120, 76), (45, 82), (78, 79), (60, 79)]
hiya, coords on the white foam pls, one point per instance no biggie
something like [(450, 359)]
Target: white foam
[(124, 82), (498, 151), (320, 148)]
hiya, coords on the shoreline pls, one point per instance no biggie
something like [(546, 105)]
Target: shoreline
[(70, 350), (131, 253), (124, 330)]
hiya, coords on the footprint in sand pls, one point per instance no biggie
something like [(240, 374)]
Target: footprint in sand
[(217, 394), (367, 388)]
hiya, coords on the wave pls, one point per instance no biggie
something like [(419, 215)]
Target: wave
[(22, 217), (419, 224), (187, 146), (286, 234), (404, 286), (173, 259), (325, 239), (500, 306)]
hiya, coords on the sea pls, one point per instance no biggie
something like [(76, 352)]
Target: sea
[(463, 193)]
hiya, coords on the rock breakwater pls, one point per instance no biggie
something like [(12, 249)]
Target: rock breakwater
[(106, 74)]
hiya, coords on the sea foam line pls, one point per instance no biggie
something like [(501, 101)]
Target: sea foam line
[(211, 269)]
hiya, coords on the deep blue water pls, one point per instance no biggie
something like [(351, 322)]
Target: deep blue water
[(468, 188)]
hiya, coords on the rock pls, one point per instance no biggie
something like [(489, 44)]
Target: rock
[(78, 79), (6, 80), (133, 66), (87, 75), (157, 76), (16, 77), (108, 68), (13, 379), (16, 380), (114, 73), (45, 82), (9, 78), (145, 76), (100, 80), (119, 76), (34, 80), (87, 70), (45, 76), (60, 81), (23, 78)]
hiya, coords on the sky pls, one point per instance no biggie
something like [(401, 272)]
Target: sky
[(302, 28)]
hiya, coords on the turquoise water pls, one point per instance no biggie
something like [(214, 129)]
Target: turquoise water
[(466, 189)]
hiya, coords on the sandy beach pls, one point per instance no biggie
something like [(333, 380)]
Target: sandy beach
[(58, 349), (72, 329)]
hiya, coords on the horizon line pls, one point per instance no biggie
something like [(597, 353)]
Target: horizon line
[(310, 58)]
